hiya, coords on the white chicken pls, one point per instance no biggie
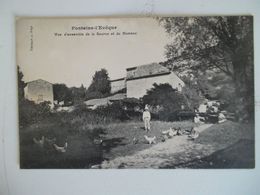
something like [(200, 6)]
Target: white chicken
[(39, 142), (194, 133), (135, 140), (61, 149), (150, 140), (170, 132), (97, 141)]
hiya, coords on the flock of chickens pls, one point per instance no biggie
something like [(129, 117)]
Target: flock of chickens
[(170, 133), (44, 140), (167, 134)]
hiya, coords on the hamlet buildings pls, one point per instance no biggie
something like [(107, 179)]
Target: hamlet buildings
[(139, 79), (39, 91)]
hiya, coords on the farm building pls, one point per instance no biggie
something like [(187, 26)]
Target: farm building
[(94, 103), (117, 85), (141, 78), (39, 91)]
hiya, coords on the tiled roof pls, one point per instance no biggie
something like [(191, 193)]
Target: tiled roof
[(105, 101), (146, 71)]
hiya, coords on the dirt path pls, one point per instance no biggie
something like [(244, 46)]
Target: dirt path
[(179, 149)]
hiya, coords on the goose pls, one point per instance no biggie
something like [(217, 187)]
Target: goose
[(61, 149), (150, 140)]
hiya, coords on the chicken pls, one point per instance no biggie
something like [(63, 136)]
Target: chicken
[(135, 140), (61, 149), (179, 131), (39, 142), (150, 140), (194, 133), (97, 141), (170, 132)]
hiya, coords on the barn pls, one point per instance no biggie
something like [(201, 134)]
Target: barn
[(117, 85), (139, 79), (39, 91)]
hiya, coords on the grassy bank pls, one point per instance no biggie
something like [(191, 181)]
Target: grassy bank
[(83, 152)]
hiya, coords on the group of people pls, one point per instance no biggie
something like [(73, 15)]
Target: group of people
[(198, 119), (207, 110)]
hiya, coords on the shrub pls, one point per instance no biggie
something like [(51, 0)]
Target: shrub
[(30, 113), (167, 100)]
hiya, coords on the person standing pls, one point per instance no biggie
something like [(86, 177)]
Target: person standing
[(146, 118)]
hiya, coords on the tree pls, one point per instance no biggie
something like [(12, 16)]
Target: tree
[(21, 84), (220, 44), (61, 93), (100, 85), (164, 96), (78, 94)]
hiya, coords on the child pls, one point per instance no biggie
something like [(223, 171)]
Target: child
[(146, 118)]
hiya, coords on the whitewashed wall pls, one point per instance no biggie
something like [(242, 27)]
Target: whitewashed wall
[(117, 85), (36, 88), (138, 88)]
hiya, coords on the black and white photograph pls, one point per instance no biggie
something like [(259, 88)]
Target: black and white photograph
[(136, 92)]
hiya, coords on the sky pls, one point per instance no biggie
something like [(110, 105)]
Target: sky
[(73, 60)]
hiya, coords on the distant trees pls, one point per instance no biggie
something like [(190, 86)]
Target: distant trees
[(221, 44), (100, 85), (78, 94), (61, 93)]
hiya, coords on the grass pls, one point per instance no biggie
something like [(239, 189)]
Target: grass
[(131, 130), (82, 152), (233, 142)]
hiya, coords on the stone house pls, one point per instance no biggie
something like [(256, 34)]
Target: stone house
[(117, 85), (39, 91), (139, 79)]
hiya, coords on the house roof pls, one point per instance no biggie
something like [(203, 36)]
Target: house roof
[(120, 79), (148, 70), (105, 101), (37, 80)]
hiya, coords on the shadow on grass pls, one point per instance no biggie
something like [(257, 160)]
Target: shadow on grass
[(108, 144), (238, 155)]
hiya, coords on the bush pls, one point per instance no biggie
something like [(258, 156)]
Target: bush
[(167, 100), (30, 113)]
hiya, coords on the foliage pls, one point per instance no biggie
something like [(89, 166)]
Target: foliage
[(21, 84), (30, 113), (100, 85), (192, 97), (95, 95), (78, 94), (168, 98), (220, 44), (62, 93)]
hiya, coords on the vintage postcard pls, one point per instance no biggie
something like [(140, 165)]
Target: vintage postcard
[(144, 92)]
